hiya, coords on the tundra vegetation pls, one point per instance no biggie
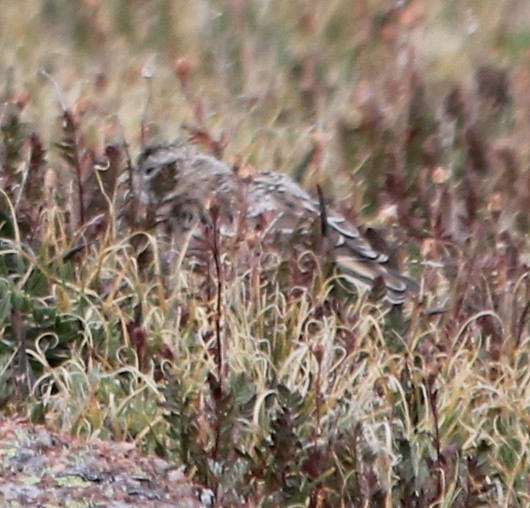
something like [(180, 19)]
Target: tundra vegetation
[(276, 388)]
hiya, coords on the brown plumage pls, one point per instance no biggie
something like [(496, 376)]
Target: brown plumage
[(180, 184)]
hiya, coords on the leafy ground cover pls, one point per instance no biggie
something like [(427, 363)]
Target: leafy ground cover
[(275, 389)]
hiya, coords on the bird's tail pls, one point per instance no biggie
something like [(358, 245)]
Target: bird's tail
[(365, 275)]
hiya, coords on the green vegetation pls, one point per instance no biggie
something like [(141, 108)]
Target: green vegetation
[(413, 119)]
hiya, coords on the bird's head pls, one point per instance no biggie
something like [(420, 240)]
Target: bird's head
[(158, 170), (165, 171)]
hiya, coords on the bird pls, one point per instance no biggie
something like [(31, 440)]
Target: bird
[(183, 187)]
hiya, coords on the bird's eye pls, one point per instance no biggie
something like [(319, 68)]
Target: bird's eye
[(150, 170)]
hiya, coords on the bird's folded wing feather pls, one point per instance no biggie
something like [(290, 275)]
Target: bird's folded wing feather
[(290, 206)]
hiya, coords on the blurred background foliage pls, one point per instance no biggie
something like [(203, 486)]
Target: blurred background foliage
[(261, 58)]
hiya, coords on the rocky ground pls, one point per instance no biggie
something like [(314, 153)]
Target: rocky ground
[(43, 469)]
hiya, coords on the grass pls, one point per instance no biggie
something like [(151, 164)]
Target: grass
[(271, 387)]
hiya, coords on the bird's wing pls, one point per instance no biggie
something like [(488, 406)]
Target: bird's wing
[(290, 208)]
